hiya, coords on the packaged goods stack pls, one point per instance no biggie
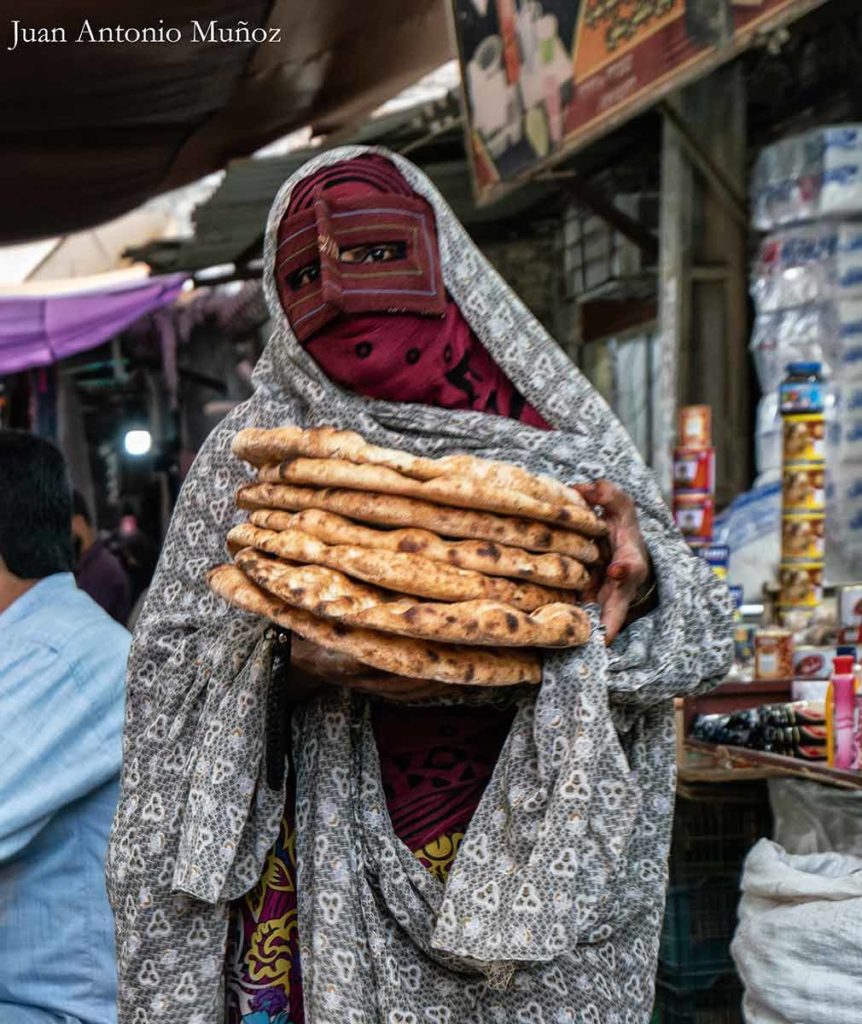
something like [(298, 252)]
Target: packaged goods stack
[(694, 476), (694, 489), (803, 505), (807, 290)]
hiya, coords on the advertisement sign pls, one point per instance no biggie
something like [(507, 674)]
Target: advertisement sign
[(543, 77)]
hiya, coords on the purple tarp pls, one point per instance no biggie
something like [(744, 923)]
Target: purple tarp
[(38, 330)]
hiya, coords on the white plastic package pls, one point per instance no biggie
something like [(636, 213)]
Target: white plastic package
[(794, 267), (809, 817), (848, 260), (768, 435), (750, 529), (841, 178), (804, 333), (801, 178)]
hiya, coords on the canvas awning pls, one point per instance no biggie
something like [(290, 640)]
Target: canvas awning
[(89, 130), (38, 329)]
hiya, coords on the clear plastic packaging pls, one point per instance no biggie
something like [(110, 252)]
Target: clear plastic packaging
[(768, 435), (801, 334), (807, 176), (811, 818), (795, 267)]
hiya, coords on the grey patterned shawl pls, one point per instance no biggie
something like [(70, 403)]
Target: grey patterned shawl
[(552, 910)]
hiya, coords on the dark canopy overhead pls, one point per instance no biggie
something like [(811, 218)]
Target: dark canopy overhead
[(89, 130), (229, 226)]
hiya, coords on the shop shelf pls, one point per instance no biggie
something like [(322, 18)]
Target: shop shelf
[(720, 1003), (776, 765), (699, 922)]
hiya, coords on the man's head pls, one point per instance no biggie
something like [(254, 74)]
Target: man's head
[(83, 533), (35, 507)]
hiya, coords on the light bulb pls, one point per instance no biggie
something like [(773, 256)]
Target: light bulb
[(138, 442)]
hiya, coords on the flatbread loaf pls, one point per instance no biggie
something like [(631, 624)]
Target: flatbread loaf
[(261, 447), (403, 573), (315, 662), (420, 659), (480, 556), (389, 510), (332, 595), (462, 492)]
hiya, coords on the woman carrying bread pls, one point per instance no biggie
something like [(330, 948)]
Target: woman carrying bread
[(404, 852)]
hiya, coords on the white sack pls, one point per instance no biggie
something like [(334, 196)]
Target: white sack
[(798, 945)]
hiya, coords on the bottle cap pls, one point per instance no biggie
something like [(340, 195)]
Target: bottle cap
[(847, 651), (806, 368), (842, 665)]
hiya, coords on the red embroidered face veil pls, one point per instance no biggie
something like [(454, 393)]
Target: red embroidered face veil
[(359, 277)]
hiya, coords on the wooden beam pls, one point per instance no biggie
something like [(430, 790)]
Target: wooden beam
[(585, 193), (607, 319), (697, 153)]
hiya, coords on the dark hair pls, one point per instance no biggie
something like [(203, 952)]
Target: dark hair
[(35, 507), (80, 507)]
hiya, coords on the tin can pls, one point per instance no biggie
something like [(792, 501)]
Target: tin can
[(850, 606), (801, 585), (695, 426), (743, 642), (694, 470), (803, 488), (802, 390), (694, 515), (803, 537), (773, 654), (812, 662), (804, 438), (737, 595)]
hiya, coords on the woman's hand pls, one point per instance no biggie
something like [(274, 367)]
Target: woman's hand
[(628, 575)]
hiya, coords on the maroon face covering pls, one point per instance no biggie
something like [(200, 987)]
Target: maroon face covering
[(357, 243), (327, 266)]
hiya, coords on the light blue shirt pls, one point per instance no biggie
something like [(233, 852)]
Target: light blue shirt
[(62, 668)]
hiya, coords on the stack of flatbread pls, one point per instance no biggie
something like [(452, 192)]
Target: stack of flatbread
[(456, 569)]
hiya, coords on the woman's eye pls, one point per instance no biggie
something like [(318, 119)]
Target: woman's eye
[(305, 275), (385, 252)]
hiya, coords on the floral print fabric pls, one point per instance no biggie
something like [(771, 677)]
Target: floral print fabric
[(552, 908), (435, 764), (264, 983)]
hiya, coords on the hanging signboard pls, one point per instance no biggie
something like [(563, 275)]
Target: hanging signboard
[(543, 77)]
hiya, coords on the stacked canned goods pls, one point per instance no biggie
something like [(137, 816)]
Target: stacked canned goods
[(694, 476), (803, 510)]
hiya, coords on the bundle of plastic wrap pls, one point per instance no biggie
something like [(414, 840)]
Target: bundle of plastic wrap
[(808, 176)]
